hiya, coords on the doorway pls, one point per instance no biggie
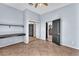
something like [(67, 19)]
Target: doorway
[(32, 32), (49, 31), (53, 31)]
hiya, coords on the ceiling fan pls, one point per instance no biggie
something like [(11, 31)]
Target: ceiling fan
[(37, 4)]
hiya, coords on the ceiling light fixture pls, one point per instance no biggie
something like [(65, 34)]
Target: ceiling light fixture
[(39, 5)]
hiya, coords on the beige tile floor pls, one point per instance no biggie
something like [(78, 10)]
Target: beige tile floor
[(38, 48)]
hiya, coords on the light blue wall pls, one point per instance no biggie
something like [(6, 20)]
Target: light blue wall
[(69, 17), (12, 16), (9, 15), (77, 29)]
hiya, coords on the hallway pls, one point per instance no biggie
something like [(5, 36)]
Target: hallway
[(37, 48)]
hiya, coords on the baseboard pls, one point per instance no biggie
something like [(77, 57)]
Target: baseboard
[(70, 46)]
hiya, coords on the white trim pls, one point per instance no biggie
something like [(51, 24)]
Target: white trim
[(69, 46)]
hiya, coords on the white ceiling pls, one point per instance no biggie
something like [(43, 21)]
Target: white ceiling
[(51, 7)]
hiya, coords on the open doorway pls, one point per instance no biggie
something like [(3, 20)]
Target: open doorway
[(32, 32), (53, 31), (49, 31)]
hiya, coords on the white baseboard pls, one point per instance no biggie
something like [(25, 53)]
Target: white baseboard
[(70, 46)]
